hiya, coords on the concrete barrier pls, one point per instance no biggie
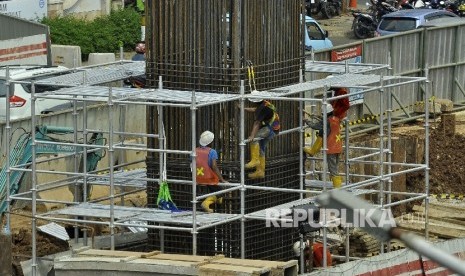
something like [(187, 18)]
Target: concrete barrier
[(99, 58), (66, 55)]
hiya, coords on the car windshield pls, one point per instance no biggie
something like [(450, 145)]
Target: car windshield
[(393, 24), (314, 32), (2, 88), (40, 88)]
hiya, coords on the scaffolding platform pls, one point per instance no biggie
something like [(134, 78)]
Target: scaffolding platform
[(286, 208), (342, 67), (185, 98), (318, 184), (122, 214), (136, 178), (98, 74)]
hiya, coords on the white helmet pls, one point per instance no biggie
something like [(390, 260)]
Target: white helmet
[(206, 138), (329, 108), (297, 247), (256, 93)]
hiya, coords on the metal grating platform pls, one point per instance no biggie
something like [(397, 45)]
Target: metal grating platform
[(342, 67), (93, 75), (100, 93), (285, 209), (132, 178), (121, 214), (318, 184)]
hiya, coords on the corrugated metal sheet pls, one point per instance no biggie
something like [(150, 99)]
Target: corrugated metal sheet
[(55, 230), (440, 50)]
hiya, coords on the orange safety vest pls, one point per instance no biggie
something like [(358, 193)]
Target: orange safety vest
[(334, 138), (274, 121), (205, 175)]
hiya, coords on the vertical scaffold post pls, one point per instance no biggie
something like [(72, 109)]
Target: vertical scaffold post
[(33, 180), (111, 168), (242, 157), (194, 175), (161, 155)]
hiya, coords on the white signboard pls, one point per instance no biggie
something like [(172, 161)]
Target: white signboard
[(24, 50), (27, 9)]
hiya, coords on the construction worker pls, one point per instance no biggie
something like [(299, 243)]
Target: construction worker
[(317, 255), (140, 52), (208, 172), (266, 126), (336, 112)]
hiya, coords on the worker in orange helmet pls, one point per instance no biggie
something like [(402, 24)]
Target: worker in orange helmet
[(336, 112)]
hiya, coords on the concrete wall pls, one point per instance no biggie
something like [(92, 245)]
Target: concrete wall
[(88, 9)]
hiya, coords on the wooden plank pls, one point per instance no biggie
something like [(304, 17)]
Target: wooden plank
[(179, 257), (255, 263), (150, 254), (231, 270), (439, 230), (109, 253), (440, 212)]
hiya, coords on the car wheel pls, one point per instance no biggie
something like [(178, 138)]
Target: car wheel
[(360, 32)]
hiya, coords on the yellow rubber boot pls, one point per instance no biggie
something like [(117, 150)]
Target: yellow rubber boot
[(337, 181), (207, 202), (260, 169), (315, 148), (254, 154)]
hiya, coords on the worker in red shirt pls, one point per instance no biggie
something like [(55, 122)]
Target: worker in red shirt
[(317, 254)]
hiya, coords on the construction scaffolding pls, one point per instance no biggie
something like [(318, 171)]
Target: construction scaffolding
[(314, 181)]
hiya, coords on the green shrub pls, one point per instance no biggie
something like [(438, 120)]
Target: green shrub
[(102, 35)]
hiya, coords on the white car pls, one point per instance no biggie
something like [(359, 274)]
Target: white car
[(20, 94)]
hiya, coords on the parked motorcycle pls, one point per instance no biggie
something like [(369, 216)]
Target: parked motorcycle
[(313, 7), (365, 24), (461, 7), (328, 8)]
